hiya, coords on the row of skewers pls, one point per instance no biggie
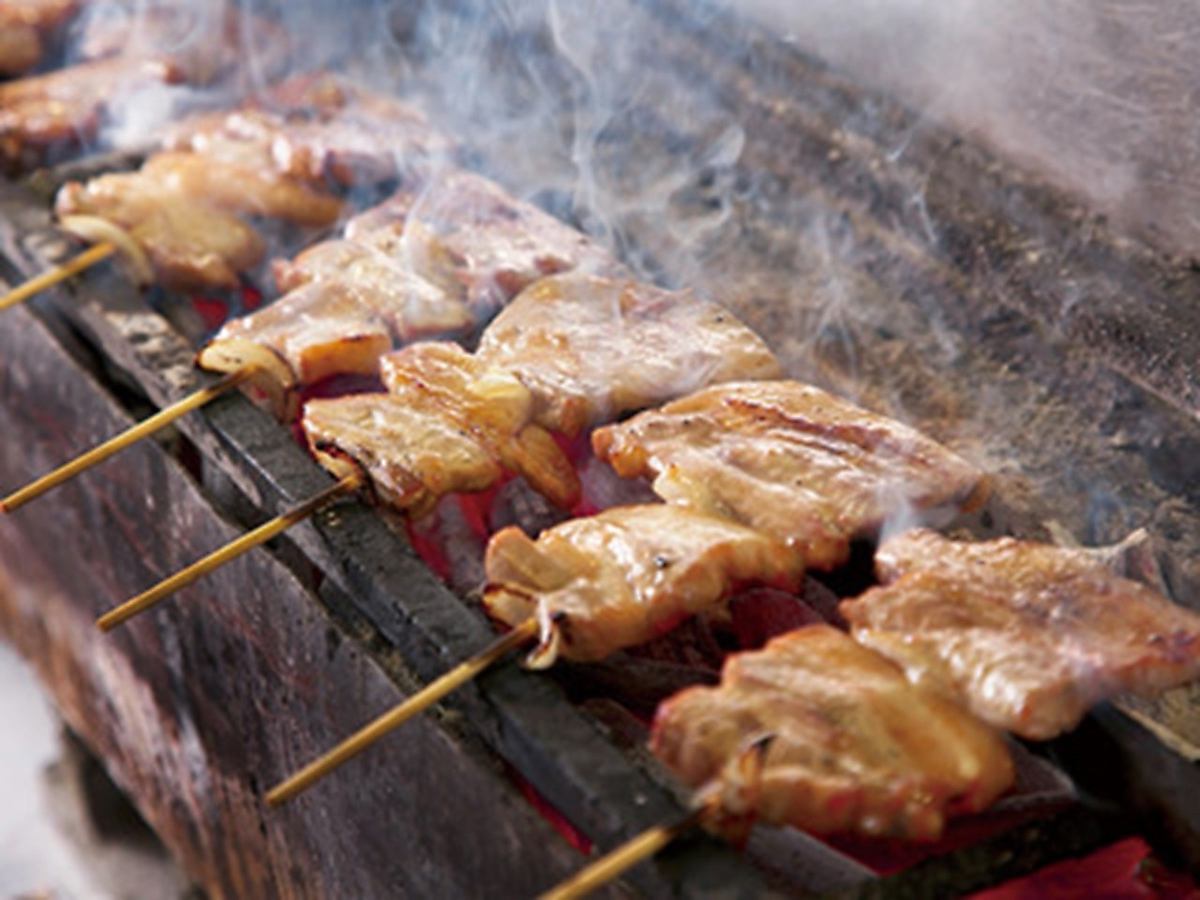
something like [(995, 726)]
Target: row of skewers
[(886, 731)]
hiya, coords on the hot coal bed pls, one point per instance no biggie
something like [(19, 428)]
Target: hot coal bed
[(929, 284)]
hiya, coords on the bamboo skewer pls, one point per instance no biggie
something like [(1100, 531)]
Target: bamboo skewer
[(113, 445), (230, 551), (85, 260), (625, 857), (523, 634)]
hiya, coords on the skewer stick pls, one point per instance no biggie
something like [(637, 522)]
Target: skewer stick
[(98, 454), (523, 634), (230, 551), (628, 855), (85, 260)]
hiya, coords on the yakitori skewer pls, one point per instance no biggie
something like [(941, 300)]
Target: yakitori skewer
[(425, 262), (230, 551), (598, 584), (453, 423)]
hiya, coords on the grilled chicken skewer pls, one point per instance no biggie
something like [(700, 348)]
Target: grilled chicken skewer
[(820, 733), (433, 259), (595, 348), (614, 579), (793, 461), (1022, 635), (1027, 636), (596, 585), (453, 423)]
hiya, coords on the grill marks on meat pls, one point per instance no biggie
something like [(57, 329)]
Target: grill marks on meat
[(1027, 635), (855, 747), (430, 261), (624, 576), (505, 410), (591, 348), (790, 460), (26, 26)]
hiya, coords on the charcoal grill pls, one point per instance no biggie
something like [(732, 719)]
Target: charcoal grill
[(957, 325)]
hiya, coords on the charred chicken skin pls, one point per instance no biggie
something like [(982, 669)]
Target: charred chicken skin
[(791, 460), (1026, 635), (847, 743), (619, 578)]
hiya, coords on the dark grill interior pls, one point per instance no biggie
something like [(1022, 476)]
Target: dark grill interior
[(942, 285)]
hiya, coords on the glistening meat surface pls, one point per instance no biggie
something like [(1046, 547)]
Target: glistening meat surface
[(1027, 635), (854, 746), (791, 460), (619, 578)]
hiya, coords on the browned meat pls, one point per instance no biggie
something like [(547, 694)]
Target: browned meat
[(1027, 635), (236, 187), (43, 117), (190, 243), (46, 117), (591, 348), (393, 262), (318, 128), (790, 460), (855, 747), (470, 235), (409, 457), (613, 580), (449, 425), (25, 26)]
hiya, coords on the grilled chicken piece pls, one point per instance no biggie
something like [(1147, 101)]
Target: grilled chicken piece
[(25, 27), (190, 243), (624, 576), (854, 748), (790, 460), (414, 274), (319, 128), (591, 348), (1027, 635), (470, 235), (46, 116), (449, 425)]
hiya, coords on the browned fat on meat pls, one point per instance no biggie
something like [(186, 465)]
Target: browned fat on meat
[(624, 576), (449, 425), (405, 265), (47, 115), (791, 460), (190, 244), (25, 26), (854, 747), (591, 348), (468, 234), (1027, 635), (316, 128)]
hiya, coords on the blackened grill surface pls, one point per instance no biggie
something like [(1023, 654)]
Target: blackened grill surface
[(1094, 408)]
